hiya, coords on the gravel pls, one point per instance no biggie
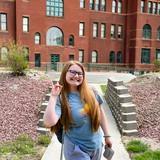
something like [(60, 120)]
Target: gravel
[(145, 91), (20, 98)]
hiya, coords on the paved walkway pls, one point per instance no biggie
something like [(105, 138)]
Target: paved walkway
[(53, 150)]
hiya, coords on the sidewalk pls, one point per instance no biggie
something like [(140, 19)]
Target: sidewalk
[(53, 150)]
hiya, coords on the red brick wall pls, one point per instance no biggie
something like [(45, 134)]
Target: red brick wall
[(131, 19)]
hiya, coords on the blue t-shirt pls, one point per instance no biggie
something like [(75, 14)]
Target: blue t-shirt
[(80, 132)]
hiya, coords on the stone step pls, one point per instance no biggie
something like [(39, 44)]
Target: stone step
[(129, 125), (133, 132), (41, 114), (44, 105), (43, 130), (124, 98), (41, 123), (115, 82), (121, 90), (47, 96), (129, 116), (128, 107)]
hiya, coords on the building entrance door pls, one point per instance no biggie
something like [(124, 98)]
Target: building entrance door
[(54, 59)]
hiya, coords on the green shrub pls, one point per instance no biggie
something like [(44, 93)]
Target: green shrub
[(137, 146), (16, 59), (157, 64), (103, 88), (44, 140), (149, 155)]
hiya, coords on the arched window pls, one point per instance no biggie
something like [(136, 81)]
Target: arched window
[(54, 8), (94, 57), (119, 57), (119, 6), (37, 38), (113, 6), (71, 40), (3, 53), (158, 33), (147, 31), (54, 37), (112, 57)]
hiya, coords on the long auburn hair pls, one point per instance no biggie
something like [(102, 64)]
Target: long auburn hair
[(87, 97)]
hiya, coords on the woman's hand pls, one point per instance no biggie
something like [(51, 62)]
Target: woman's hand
[(108, 142), (56, 89)]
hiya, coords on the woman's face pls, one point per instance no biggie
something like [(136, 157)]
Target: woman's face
[(74, 76)]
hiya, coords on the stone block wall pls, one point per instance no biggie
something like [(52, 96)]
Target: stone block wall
[(123, 110)]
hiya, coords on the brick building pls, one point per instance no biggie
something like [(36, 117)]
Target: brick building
[(123, 32)]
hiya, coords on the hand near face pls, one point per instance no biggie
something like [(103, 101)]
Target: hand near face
[(56, 89)]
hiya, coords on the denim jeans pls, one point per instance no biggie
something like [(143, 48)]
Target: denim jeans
[(74, 152)]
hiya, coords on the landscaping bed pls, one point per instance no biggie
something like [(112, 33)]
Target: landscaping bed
[(20, 98), (145, 91)]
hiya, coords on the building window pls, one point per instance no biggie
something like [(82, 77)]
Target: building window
[(37, 60), (71, 40), (120, 32), (158, 54), (97, 5), (71, 57), (91, 4), (149, 7), (119, 57), (25, 24), (103, 5), (145, 56), (112, 57), (154, 9), (81, 29), (119, 6), (3, 53), (158, 33), (113, 31), (103, 30), (54, 37), (147, 31), (142, 6), (94, 57), (54, 8), (81, 55), (114, 6), (95, 30), (158, 9), (82, 3), (3, 22), (37, 38)]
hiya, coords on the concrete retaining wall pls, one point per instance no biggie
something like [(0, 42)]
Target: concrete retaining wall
[(123, 110)]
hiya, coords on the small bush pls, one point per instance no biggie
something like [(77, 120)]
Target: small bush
[(44, 140), (16, 59), (157, 65), (137, 146), (103, 88)]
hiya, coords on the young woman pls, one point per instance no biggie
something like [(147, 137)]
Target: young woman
[(77, 107)]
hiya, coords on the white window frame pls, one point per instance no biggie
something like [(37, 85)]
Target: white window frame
[(81, 28), (81, 55), (25, 24), (3, 22), (103, 30), (95, 29)]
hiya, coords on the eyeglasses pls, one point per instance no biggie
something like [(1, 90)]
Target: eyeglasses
[(73, 72)]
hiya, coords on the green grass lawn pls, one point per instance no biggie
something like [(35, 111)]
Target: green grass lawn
[(23, 146), (140, 151)]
